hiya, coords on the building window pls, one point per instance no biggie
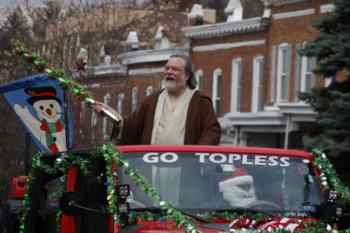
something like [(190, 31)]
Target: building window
[(81, 117), (106, 100), (217, 90), (134, 98), (199, 79), (93, 119), (236, 77), (93, 126), (307, 76), (120, 103), (328, 81), (283, 72), (149, 90), (258, 84)]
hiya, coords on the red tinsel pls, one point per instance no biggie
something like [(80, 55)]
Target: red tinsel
[(269, 224)]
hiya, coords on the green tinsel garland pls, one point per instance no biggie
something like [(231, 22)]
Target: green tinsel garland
[(63, 163), (111, 182), (111, 156), (27, 197), (230, 216), (40, 65), (328, 174), (181, 220), (146, 216)]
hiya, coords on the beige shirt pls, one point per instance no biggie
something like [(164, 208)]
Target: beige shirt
[(169, 124)]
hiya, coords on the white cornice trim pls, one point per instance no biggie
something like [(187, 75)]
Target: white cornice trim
[(146, 71), (284, 2), (104, 71), (110, 69), (294, 14), (152, 55), (260, 118), (224, 29), (228, 45), (300, 112), (299, 108), (327, 8)]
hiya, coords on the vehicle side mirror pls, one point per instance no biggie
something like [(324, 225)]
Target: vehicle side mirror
[(19, 186)]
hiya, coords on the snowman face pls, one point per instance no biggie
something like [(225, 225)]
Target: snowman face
[(49, 110)]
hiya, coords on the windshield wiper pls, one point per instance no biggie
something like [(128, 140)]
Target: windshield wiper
[(158, 209)]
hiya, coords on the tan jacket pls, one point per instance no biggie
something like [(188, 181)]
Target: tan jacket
[(202, 126)]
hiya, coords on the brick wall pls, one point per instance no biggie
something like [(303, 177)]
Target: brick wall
[(208, 61), (294, 31), (100, 86)]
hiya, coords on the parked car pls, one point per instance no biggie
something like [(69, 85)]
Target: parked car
[(219, 187)]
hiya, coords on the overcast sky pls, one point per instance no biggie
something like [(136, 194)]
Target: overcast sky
[(15, 2), (39, 2)]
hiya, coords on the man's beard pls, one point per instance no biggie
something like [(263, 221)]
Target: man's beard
[(171, 84)]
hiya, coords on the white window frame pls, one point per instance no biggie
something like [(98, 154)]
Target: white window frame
[(216, 90), (93, 126), (199, 79), (283, 75), (93, 119), (258, 83), (81, 115), (120, 103), (149, 90), (305, 72), (106, 100), (328, 81), (236, 78), (134, 98)]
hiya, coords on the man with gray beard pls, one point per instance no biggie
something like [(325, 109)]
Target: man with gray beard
[(176, 115)]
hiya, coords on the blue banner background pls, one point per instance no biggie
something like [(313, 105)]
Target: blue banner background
[(14, 94)]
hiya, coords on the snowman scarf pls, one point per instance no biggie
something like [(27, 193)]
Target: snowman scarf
[(49, 129)]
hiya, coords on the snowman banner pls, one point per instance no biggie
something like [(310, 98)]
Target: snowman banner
[(38, 102)]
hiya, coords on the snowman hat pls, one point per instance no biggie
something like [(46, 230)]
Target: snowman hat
[(241, 177), (42, 93)]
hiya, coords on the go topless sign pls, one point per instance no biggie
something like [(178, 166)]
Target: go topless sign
[(220, 158)]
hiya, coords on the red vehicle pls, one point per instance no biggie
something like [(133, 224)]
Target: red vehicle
[(220, 188)]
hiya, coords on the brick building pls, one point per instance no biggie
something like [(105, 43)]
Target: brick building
[(251, 69), (248, 65), (123, 86)]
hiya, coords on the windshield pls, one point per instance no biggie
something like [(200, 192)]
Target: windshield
[(219, 181)]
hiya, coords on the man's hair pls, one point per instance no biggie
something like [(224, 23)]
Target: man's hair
[(191, 82)]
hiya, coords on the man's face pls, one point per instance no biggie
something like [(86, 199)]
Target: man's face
[(175, 76)]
